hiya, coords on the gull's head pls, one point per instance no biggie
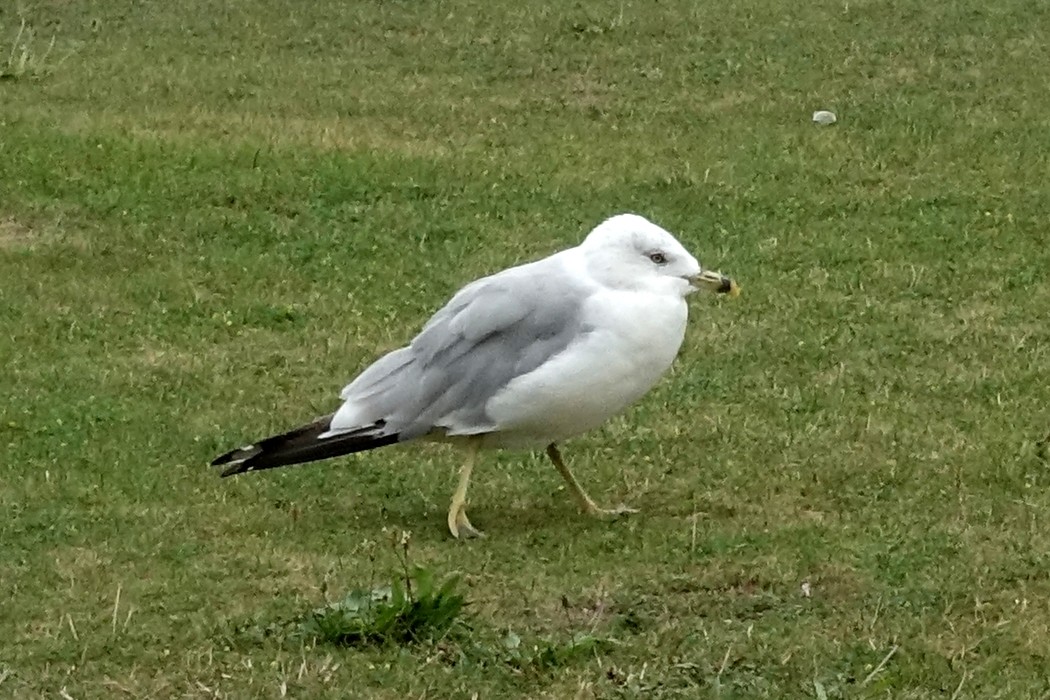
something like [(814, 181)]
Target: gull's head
[(628, 251)]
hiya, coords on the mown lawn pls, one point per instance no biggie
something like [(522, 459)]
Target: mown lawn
[(212, 214)]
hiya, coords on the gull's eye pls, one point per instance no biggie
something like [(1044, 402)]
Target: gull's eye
[(658, 258)]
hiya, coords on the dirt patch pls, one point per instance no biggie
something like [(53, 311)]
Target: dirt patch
[(15, 235), (727, 102), (76, 563), (328, 134), (18, 236)]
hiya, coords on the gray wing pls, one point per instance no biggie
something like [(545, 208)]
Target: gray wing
[(492, 330)]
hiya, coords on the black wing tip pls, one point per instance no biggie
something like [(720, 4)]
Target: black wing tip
[(222, 459), (239, 460), (280, 450), (239, 454), (234, 469)]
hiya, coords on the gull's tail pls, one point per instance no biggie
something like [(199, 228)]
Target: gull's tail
[(307, 443)]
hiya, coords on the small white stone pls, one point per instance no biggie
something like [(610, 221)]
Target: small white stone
[(807, 591), (824, 117)]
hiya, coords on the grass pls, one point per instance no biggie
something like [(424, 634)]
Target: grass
[(413, 608), (213, 214), (28, 58)]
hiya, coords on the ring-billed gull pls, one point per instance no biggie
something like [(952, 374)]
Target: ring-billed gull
[(524, 358)]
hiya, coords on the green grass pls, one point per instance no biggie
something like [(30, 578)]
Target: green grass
[(213, 214)]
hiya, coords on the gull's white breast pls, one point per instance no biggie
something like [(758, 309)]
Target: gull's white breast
[(634, 338)]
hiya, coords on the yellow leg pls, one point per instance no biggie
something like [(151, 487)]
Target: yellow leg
[(586, 504), (458, 524)]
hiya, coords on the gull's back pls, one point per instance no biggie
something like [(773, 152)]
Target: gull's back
[(493, 330)]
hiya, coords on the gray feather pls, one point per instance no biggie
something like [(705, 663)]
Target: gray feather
[(492, 331)]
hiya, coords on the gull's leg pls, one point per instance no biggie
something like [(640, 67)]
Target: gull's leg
[(458, 524), (588, 506)]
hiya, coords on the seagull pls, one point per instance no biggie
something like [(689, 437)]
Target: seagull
[(521, 359)]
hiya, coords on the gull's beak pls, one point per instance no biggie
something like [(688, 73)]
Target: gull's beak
[(715, 282)]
